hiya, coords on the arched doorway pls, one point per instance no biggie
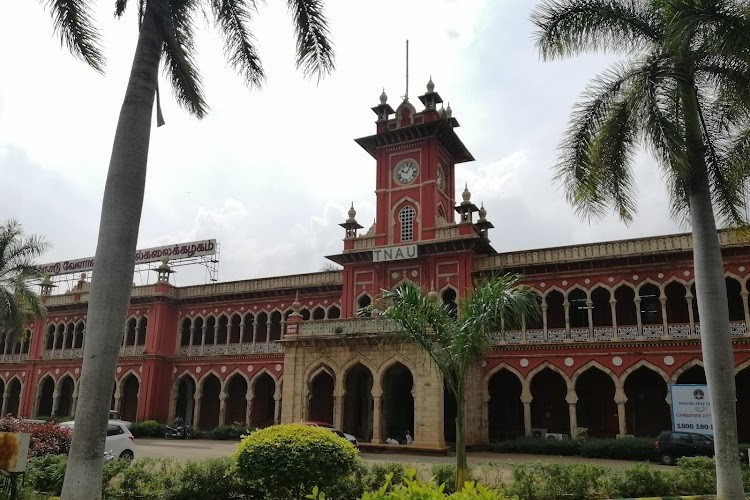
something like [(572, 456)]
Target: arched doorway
[(693, 375), (129, 393), (646, 410), (549, 410), (46, 393), (596, 409), (236, 409), (358, 402), (505, 409), (398, 402), (65, 397), (321, 398), (209, 416), (185, 399), (264, 388), (14, 398), (742, 381)]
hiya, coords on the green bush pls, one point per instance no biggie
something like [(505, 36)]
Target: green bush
[(378, 472), (694, 476), (287, 461), (229, 432), (551, 481), (538, 446), (641, 481), (412, 489), (149, 478), (206, 480), (621, 449), (446, 474), (45, 474), (148, 428)]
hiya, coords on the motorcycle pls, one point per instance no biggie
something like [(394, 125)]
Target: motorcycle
[(179, 430)]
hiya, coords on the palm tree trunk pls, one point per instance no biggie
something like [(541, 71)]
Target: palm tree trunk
[(462, 468), (710, 287), (112, 279)]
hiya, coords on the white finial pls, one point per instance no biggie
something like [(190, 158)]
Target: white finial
[(383, 97), (482, 213), (466, 195), (352, 213), (430, 86), (448, 111)]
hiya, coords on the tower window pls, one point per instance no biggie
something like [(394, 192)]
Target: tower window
[(406, 217)]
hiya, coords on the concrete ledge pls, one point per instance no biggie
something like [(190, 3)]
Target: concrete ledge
[(405, 449)]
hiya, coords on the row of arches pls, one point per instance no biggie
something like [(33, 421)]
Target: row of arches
[(14, 344), (10, 395), (606, 406), (210, 402), (71, 335), (259, 327)]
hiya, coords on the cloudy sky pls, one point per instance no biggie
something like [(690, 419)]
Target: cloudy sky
[(270, 173)]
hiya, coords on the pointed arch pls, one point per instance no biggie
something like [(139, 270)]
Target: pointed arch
[(551, 366), (500, 366), (695, 362), (333, 312), (592, 364), (344, 371), (640, 364), (230, 375), (385, 365), (205, 377), (185, 373), (254, 379)]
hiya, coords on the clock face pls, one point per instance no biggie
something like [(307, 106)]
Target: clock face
[(405, 171), (440, 178)]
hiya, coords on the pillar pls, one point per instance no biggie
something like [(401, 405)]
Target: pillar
[(744, 294), (572, 399), (277, 409), (637, 301), (55, 402), (377, 416), (6, 397), (118, 403), (338, 406), (196, 410), (222, 407), (526, 400), (621, 399), (613, 309), (172, 408), (691, 317), (566, 308), (665, 326)]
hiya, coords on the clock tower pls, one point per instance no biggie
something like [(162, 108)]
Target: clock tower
[(420, 233)]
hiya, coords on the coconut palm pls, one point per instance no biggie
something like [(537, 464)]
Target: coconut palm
[(685, 94), (18, 302), (166, 34), (456, 341)]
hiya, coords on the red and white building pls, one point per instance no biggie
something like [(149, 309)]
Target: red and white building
[(620, 323)]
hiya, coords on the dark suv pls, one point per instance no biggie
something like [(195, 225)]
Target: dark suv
[(671, 445)]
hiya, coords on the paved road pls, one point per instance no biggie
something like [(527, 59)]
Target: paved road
[(202, 448)]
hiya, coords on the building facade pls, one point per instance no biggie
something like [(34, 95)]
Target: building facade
[(619, 324)]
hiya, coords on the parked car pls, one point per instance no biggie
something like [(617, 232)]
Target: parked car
[(671, 445), (119, 441), (115, 415), (326, 425)]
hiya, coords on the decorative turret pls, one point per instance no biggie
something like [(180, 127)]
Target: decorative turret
[(431, 98), (351, 225), (383, 110), (163, 271), (46, 285), (483, 225), (466, 209)]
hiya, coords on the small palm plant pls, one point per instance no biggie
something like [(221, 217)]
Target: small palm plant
[(19, 304), (457, 340)]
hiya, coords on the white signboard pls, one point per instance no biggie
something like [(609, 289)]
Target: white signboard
[(691, 408), (394, 253), (14, 451), (155, 254)]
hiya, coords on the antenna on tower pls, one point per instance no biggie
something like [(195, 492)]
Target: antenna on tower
[(406, 96)]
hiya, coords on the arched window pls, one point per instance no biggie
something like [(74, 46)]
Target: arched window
[(406, 218)]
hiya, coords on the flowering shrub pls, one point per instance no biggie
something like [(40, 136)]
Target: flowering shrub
[(46, 438)]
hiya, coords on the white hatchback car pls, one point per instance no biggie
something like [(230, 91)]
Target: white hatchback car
[(120, 442)]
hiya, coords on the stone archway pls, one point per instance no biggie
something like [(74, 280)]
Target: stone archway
[(65, 397), (209, 409), (504, 409), (129, 387), (321, 398), (549, 409), (596, 409), (46, 395), (263, 403), (693, 375), (358, 402), (646, 409), (398, 402), (236, 402), (185, 405)]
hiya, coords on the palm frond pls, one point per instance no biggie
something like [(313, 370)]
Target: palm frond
[(120, 6), (232, 17), (601, 132), (566, 28), (314, 48), (74, 25), (716, 25), (729, 78), (179, 50)]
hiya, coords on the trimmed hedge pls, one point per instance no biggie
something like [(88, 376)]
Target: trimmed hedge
[(286, 461), (620, 449), (538, 446), (147, 428)]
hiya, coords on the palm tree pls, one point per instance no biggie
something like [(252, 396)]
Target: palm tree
[(685, 94), (458, 342), (18, 303), (166, 33)]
